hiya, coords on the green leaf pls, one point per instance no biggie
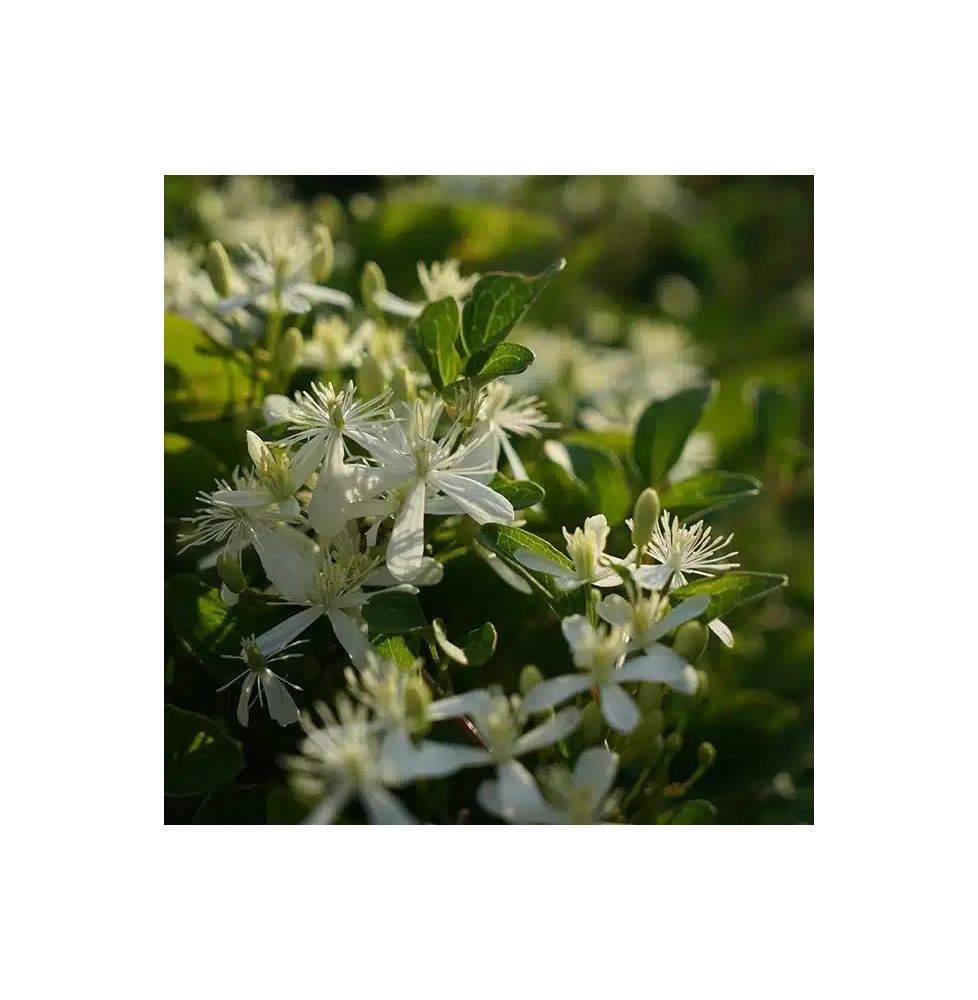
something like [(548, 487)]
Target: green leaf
[(495, 362), (506, 540), (752, 710), (394, 648), (697, 811), (433, 336), (188, 468), (663, 428), (199, 755), (707, 492), (730, 591), (480, 644), (778, 413), (200, 620), (394, 613), (200, 379), (602, 475), (497, 304), (519, 492)]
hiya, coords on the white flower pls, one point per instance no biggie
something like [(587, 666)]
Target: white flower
[(581, 797), (332, 346), (346, 757), (277, 269), (440, 282), (234, 527), (500, 720), (271, 688), (599, 653), (421, 466), (279, 474), (679, 550), (586, 551), (502, 418), (326, 582), (645, 619)]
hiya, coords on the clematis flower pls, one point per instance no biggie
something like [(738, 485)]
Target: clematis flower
[(272, 689), (647, 619), (581, 797), (586, 551), (422, 467), (279, 474), (680, 550), (501, 417), (323, 582), (438, 283), (277, 269), (599, 653)]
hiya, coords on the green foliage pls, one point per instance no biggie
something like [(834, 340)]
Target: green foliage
[(702, 494), (698, 811), (393, 647), (188, 468), (200, 620), (395, 613), (433, 335), (480, 644), (730, 590), (199, 755), (519, 492), (497, 303), (601, 475), (663, 429)]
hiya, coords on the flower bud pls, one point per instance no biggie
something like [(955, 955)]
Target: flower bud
[(403, 384), (674, 742), (321, 265), (231, 574), (645, 740), (289, 350), (417, 698), (644, 516), (530, 677), (690, 641), (371, 377), (219, 268), (706, 755), (650, 697), (371, 282)]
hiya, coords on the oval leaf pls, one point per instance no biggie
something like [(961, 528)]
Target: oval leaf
[(604, 479), (663, 428), (730, 591), (480, 644), (497, 304), (519, 492), (706, 492), (199, 755), (433, 336), (395, 613)]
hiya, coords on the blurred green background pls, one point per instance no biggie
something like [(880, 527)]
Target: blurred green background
[(669, 280)]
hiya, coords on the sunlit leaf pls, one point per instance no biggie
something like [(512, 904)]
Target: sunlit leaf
[(198, 754), (663, 429), (706, 492), (730, 590)]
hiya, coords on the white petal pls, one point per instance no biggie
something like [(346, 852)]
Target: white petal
[(480, 502), (439, 760), (506, 573), (577, 630), (294, 303), (519, 797), (619, 711), (680, 614), (487, 795), (552, 692), (598, 526), (721, 630), (320, 293), (243, 498), (249, 683), (615, 610), (554, 729), (303, 463), (350, 637), (659, 664), (234, 302), (331, 806), (281, 707), (652, 577), (257, 449), (519, 472), (596, 768), (470, 703), (277, 409), (289, 560), (406, 545), (277, 638), (395, 304), (384, 808), (229, 597), (543, 564)]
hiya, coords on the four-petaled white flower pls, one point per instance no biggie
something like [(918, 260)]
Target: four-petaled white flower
[(438, 283), (581, 797), (586, 550), (272, 690), (420, 466), (279, 474), (599, 653), (501, 417), (647, 619), (680, 550), (278, 270)]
